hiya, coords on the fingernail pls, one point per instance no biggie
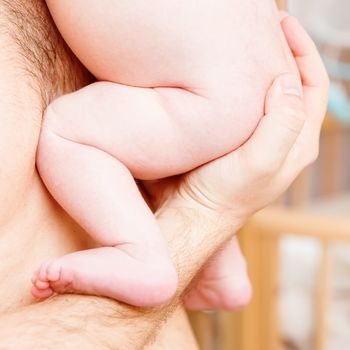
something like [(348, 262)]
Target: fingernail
[(291, 85)]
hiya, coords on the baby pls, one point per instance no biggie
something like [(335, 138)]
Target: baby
[(180, 83)]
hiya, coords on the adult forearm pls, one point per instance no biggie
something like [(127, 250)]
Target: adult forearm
[(76, 321), (194, 233), (73, 322), (35, 328)]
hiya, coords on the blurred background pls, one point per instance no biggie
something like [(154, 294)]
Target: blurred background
[(298, 250)]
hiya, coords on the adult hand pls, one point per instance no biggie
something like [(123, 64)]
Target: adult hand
[(284, 143)]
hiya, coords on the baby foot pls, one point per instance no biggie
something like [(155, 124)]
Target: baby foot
[(53, 276), (224, 293), (109, 272), (223, 284)]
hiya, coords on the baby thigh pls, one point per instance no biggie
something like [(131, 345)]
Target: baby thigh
[(137, 126)]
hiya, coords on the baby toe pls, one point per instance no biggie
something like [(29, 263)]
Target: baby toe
[(41, 293), (53, 271), (43, 271), (41, 284), (35, 276)]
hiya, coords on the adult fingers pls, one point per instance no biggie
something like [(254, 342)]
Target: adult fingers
[(316, 84), (278, 130), (312, 71)]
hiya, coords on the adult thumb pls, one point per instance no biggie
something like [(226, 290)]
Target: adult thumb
[(283, 122), (285, 92), (284, 108)]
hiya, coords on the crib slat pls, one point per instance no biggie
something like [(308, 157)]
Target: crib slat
[(281, 4), (322, 299), (202, 324), (330, 163), (269, 319)]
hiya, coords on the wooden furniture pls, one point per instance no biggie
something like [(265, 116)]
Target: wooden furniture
[(281, 4)]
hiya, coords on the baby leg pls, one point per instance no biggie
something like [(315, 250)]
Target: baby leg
[(223, 283), (79, 164)]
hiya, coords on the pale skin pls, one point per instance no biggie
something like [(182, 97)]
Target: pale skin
[(34, 228), (174, 105)]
